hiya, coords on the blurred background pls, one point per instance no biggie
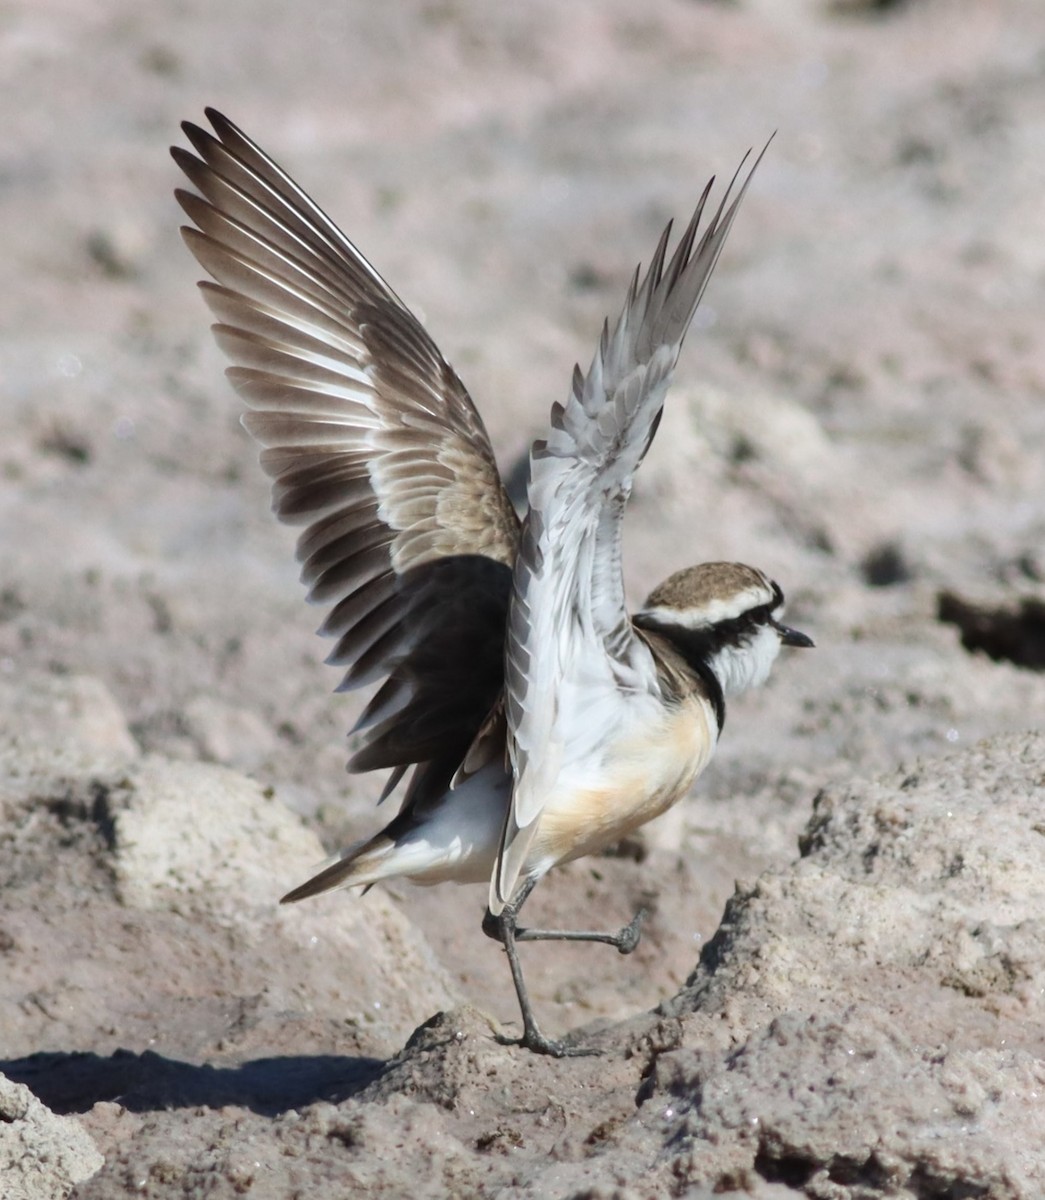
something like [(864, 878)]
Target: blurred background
[(859, 410)]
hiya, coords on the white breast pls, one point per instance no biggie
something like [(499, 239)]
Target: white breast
[(638, 775)]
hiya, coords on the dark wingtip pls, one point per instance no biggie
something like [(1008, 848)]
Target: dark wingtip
[(193, 131)]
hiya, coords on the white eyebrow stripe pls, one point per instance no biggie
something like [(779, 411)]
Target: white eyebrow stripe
[(726, 608)]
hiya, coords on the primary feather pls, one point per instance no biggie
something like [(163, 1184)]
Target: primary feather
[(372, 443)]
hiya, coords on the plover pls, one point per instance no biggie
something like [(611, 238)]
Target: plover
[(537, 719)]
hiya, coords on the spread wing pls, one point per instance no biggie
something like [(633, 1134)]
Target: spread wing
[(372, 444), (571, 649)]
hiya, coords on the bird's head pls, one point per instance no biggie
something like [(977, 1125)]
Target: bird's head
[(727, 615)]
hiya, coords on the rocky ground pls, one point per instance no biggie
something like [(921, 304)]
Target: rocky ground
[(860, 413)]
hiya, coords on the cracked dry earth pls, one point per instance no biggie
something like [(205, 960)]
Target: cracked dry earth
[(839, 994)]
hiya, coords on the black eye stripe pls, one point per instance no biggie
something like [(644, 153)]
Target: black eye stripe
[(740, 630), (760, 615)]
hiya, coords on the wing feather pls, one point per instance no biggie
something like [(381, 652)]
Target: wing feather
[(570, 642), (372, 444)]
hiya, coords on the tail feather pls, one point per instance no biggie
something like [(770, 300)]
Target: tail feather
[(360, 865)]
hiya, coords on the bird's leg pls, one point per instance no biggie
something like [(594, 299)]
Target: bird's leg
[(625, 940), (502, 928)]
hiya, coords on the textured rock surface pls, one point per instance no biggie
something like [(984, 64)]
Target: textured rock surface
[(42, 1156), (892, 981), (58, 727), (146, 899)]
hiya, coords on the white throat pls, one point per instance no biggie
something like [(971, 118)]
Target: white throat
[(738, 668)]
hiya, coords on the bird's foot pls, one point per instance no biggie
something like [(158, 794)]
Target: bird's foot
[(535, 1041), (630, 936)]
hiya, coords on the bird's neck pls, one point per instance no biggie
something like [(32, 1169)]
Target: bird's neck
[(691, 650)]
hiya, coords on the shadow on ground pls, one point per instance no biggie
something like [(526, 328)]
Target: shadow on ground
[(74, 1082)]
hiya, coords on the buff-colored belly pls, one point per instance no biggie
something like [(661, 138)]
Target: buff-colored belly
[(644, 775)]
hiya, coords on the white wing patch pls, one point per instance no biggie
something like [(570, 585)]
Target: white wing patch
[(573, 666)]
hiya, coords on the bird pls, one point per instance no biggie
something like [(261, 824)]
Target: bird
[(536, 719)]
